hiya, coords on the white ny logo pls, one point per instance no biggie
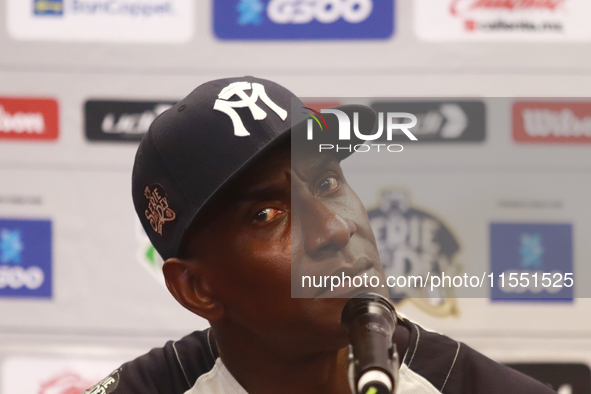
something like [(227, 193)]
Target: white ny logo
[(239, 89)]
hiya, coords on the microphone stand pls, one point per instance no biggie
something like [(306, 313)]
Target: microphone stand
[(370, 322)]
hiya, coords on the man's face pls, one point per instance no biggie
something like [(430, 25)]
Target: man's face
[(283, 216)]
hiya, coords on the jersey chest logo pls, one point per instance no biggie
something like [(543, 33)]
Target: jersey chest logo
[(107, 385)]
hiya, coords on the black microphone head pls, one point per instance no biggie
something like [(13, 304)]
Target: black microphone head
[(364, 303), (369, 320)]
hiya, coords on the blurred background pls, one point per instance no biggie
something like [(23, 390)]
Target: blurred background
[(500, 178)]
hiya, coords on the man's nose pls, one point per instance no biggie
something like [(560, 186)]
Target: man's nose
[(325, 230)]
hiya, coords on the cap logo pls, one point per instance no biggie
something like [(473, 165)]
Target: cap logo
[(239, 89), (158, 211)]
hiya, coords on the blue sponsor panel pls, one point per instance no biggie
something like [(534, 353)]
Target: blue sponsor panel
[(532, 261), (303, 19), (25, 258)]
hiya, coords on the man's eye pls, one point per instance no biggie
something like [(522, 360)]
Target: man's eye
[(266, 215), (328, 185)]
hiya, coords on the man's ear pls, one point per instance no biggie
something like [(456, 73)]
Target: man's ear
[(187, 282)]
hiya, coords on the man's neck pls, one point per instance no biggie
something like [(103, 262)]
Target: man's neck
[(259, 370)]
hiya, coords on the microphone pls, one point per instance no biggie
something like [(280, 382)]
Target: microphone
[(369, 320)]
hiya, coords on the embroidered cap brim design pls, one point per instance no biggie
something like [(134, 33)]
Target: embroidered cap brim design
[(158, 211)]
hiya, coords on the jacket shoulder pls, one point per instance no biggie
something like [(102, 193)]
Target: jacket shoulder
[(453, 367), (171, 369)]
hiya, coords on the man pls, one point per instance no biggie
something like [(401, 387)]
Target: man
[(237, 209)]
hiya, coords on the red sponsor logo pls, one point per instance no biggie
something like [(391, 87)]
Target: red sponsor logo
[(470, 25), (65, 383), (28, 119), (459, 6), (551, 122), (320, 105)]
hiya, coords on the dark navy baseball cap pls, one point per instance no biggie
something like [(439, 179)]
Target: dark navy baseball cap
[(197, 147)]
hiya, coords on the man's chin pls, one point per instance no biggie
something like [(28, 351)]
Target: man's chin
[(318, 327), (329, 311)]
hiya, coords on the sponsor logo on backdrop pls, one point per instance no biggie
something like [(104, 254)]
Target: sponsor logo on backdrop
[(65, 382), (414, 242), (25, 258), (112, 120), (527, 249), (58, 375), (98, 20), (565, 378), (48, 7), (144, 8), (28, 119), (441, 121), (318, 105), (502, 19), (303, 20), (20, 199), (552, 122)]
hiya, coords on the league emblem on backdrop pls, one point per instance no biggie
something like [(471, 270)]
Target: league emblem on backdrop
[(413, 242)]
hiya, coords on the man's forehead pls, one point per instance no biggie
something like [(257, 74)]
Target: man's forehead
[(305, 166), (272, 175), (265, 176)]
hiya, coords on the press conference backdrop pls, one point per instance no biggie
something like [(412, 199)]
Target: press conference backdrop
[(80, 286)]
